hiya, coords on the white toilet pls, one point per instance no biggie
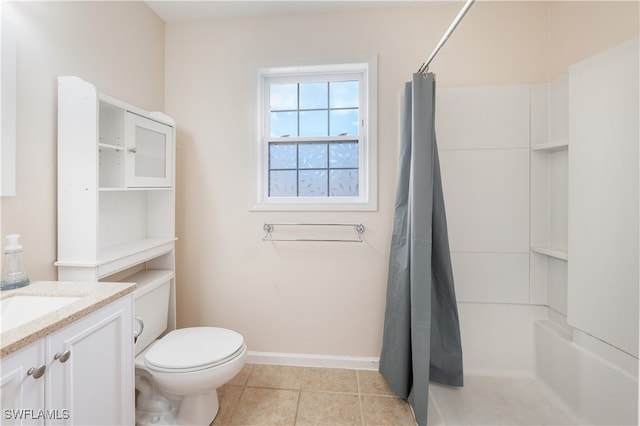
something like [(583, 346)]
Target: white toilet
[(177, 375)]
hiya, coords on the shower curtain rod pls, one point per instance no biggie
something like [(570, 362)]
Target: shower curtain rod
[(425, 67)]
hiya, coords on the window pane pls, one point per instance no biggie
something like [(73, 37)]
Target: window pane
[(342, 155), (343, 94), (282, 156), (282, 183), (283, 97), (312, 156), (283, 123), (344, 121), (313, 183), (313, 96), (344, 183), (313, 123)]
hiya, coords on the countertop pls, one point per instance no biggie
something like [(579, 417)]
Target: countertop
[(93, 296)]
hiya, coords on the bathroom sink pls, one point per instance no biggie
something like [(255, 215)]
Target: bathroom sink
[(20, 309)]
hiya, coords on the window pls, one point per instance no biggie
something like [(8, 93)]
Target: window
[(316, 144)]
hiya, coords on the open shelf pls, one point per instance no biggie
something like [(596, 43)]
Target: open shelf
[(122, 256), (109, 146), (551, 251), (558, 145), (116, 258)]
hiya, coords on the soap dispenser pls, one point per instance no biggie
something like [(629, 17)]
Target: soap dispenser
[(13, 272)]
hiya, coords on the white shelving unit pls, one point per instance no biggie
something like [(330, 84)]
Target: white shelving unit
[(549, 194), (116, 197)]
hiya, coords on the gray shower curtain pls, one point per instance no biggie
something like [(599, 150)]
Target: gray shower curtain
[(421, 339)]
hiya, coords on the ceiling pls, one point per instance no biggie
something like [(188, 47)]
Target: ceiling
[(184, 10)]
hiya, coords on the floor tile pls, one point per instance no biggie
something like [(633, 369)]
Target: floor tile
[(319, 408), (228, 396), (260, 406), (330, 380), (275, 376), (385, 410), (372, 382)]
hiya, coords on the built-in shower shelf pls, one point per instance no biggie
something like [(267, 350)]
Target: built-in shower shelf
[(557, 145), (551, 251)]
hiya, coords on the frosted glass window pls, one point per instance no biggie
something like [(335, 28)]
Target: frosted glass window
[(315, 136), (312, 156), (312, 183), (343, 183), (283, 156), (314, 110), (314, 169), (343, 155), (283, 183)]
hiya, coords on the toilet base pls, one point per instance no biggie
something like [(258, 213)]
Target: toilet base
[(198, 409), (192, 410), (156, 418), (152, 407)]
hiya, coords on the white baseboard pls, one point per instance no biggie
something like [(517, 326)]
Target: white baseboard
[(312, 360)]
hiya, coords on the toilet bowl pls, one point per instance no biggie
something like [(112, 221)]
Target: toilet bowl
[(187, 366), (177, 374)]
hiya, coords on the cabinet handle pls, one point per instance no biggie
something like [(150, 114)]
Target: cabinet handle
[(36, 372), (62, 357), (133, 150)]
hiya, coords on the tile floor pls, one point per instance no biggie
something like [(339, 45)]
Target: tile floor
[(280, 395)]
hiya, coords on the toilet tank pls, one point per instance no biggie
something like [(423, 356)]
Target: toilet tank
[(151, 304)]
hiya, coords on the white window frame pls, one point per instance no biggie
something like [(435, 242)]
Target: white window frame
[(344, 68)]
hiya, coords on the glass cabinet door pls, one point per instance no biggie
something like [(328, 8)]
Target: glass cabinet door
[(149, 152)]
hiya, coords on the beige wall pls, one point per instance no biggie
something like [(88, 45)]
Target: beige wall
[(580, 29), (119, 47), (318, 298)]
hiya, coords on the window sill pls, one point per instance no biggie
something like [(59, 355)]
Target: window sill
[(324, 205)]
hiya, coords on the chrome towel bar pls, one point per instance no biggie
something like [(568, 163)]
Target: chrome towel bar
[(358, 229)]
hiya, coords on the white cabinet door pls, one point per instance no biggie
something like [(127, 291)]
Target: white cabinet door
[(22, 389), (91, 371), (149, 152)]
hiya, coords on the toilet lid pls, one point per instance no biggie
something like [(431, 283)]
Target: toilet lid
[(193, 348)]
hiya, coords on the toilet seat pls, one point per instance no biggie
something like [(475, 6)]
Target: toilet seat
[(195, 348)]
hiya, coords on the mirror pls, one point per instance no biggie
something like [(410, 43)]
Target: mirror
[(8, 103)]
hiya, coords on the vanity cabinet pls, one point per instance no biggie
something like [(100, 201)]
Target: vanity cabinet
[(116, 192), (21, 387), (85, 373)]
